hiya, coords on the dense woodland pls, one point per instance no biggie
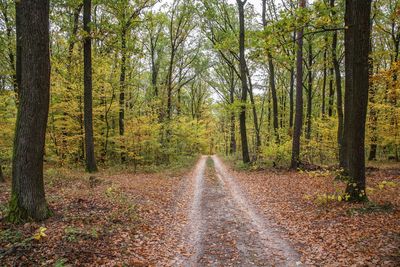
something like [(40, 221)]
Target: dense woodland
[(100, 100), (146, 84)]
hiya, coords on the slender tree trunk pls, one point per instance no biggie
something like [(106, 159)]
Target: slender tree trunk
[(122, 86), (338, 81), (28, 196), (291, 90), (309, 91), (357, 42), (232, 126), (11, 55), (71, 45), (245, 89), (88, 98), (323, 108), (331, 92), (2, 180), (271, 77), (299, 97), (255, 118), (291, 98), (373, 115)]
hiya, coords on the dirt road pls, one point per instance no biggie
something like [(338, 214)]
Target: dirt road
[(224, 229)]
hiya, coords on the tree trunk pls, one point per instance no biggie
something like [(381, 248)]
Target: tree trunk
[(309, 91), (291, 90), (87, 98), (338, 80), (11, 55), (331, 92), (291, 98), (323, 108), (271, 77), (28, 196), (299, 97), (122, 86), (357, 42), (245, 89), (232, 126), (2, 179), (255, 118)]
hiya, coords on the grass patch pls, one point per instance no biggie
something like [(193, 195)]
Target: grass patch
[(371, 207)]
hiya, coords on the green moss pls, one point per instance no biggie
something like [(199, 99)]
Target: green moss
[(17, 214)]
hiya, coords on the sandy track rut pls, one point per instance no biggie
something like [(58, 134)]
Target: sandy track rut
[(224, 229)]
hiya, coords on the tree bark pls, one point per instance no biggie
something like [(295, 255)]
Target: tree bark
[(291, 90), (271, 77), (357, 42), (33, 77), (338, 81), (323, 108), (255, 117), (331, 92), (88, 98), (245, 89), (232, 148), (2, 179), (309, 90), (122, 86), (299, 97)]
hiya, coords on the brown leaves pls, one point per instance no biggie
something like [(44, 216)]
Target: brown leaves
[(332, 234)]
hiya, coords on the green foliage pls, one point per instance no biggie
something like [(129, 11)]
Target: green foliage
[(10, 236)]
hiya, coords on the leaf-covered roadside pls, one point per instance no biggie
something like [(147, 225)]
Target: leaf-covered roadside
[(331, 232), (111, 220)]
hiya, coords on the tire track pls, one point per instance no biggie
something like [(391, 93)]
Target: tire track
[(224, 229)]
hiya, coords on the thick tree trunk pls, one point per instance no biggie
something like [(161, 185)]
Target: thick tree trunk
[(245, 89), (338, 80), (87, 98), (33, 76), (357, 42), (299, 97)]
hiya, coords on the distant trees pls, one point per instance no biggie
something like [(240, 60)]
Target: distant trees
[(357, 42), (33, 80), (88, 98)]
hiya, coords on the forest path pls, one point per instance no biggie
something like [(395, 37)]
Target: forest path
[(224, 229)]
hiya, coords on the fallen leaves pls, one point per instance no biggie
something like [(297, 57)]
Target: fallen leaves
[(336, 233)]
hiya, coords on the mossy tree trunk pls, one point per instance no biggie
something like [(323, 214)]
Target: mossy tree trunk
[(28, 196)]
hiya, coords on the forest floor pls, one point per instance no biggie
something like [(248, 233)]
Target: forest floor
[(211, 215)]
